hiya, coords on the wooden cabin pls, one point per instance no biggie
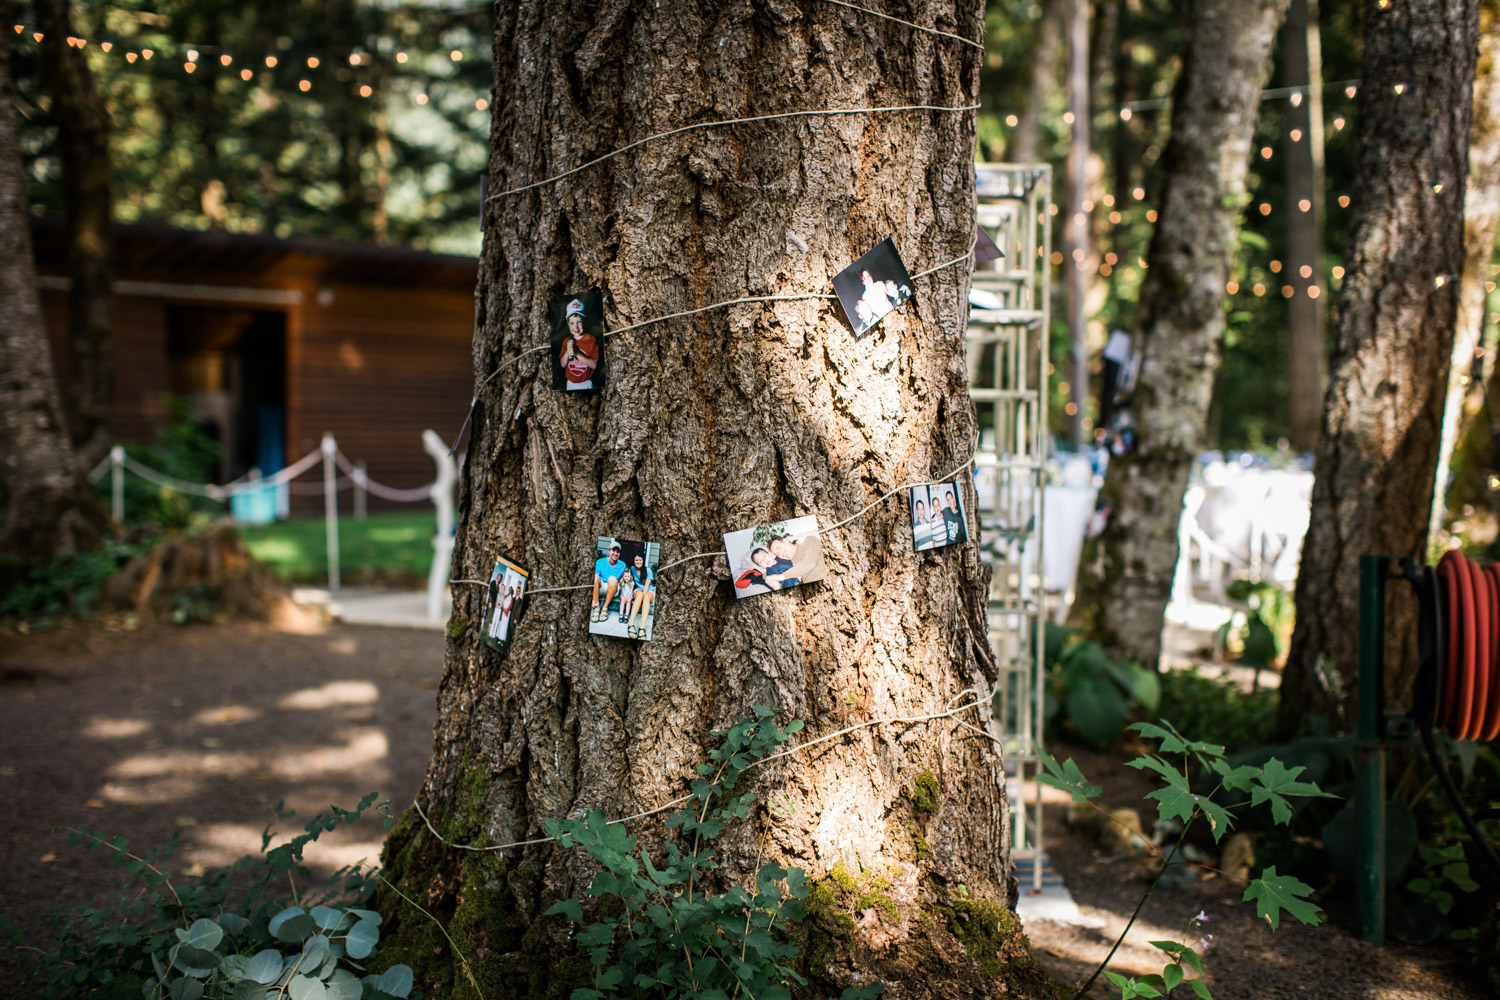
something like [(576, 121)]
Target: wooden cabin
[(274, 341)]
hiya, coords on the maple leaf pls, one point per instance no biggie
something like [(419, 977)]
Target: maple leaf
[(1273, 893)]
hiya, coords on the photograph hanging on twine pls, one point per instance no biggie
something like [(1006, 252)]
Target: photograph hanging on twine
[(984, 247), (577, 324), (503, 604), (775, 556), (872, 286), (624, 603), (937, 516)]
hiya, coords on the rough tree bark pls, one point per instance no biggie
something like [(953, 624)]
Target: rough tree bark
[(83, 147), (49, 508), (1306, 315), (730, 418), (1125, 577), (1394, 338), (1481, 223)]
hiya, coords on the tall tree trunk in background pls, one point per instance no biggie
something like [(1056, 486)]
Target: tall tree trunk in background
[(731, 418), (1389, 373), (49, 508), (88, 202), (1076, 230), (1025, 144), (1481, 220), (1125, 576), (1306, 313)]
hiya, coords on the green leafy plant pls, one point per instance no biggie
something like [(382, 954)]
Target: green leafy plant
[(1262, 630), (1445, 871), (665, 934), (1221, 712), (1272, 785), (242, 932), (65, 585), (1091, 691)]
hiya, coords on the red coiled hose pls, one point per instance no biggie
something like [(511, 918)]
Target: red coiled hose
[(1469, 691)]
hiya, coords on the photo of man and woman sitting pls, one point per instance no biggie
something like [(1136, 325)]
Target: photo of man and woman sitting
[(503, 603), (624, 588), (577, 323), (937, 516), (872, 286), (775, 556)]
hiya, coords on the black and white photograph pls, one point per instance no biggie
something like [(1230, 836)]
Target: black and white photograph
[(872, 286), (937, 516), (624, 588), (775, 556), (503, 603), (577, 325)]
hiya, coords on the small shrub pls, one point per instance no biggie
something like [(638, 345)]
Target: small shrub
[(1096, 695), (1221, 712), (240, 932)]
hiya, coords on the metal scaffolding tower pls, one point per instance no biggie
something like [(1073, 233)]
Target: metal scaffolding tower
[(1007, 356)]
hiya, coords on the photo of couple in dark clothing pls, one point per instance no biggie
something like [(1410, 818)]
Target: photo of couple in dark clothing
[(937, 516), (775, 556), (872, 286)]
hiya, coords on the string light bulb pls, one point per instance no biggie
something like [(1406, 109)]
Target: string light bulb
[(1258, 289), (354, 59), (1343, 201), (1265, 152), (1350, 91), (1275, 267), (421, 98), (1304, 205), (1114, 218), (1287, 291), (270, 62), (20, 29), (1150, 215), (312, 62), (1296, 135), (1399, 88), (130, 57), (455, 55), (225, 60), (1124, 114), (401, 57), (365, 91), (245, 74), (37, 36), (1313, 291), (146, 54), (1265, 208), (192, 55), (1109, 200), (1138, 193), (1437, 189), (1305, 270), (1338, 123), (481, 104), (106, 46), (1067, 117), (1232, 287), (1012, 121), (1338, 272), (304, 85), (1296, 98), (189, 67)]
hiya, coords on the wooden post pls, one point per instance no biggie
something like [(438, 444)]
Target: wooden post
[(117, 483), (442, 538), (361, 493), (331, 509)]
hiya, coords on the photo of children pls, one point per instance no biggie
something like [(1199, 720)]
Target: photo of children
[(503, 604), (624, 588), (937, 516), (775, 556), (577, 324), (872, 286)]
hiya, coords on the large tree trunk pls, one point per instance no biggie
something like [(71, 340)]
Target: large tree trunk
[(720, 421), (1025, 145), (83, 147), (1301, 49), (1481, 221), (49, 508), (1125, 578), (1389, 373)]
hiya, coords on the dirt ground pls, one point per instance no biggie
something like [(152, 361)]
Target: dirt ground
[(201, 729), (1245, 960)]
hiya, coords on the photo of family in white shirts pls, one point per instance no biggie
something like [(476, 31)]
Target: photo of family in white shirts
[(872, 286), (937, 516), (503, 603)]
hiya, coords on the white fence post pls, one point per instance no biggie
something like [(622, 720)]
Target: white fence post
[(331, 508), (117, 483), (442, 539), (361, 494)]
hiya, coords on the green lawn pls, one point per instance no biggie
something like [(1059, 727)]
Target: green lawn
[(393, 549)]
